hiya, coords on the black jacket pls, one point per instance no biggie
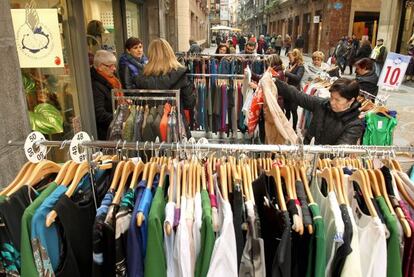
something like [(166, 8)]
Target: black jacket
[(368, 82), (363, 52), (326, 126), (300, 42), (102, 99), (295, 76), (175, 79)]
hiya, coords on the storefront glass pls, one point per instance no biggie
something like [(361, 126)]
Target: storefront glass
[(51, 92)]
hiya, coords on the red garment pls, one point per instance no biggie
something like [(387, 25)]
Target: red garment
[(255, 109), (164, 122), (234, 41), (408, 257)]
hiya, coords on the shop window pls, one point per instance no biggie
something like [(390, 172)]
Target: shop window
[(51, 92)]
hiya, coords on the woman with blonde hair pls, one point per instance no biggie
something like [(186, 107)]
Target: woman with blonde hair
[(294, 74), (316, 68), (163, 71)]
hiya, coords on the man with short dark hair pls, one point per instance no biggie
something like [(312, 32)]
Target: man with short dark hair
[(249, 48), (194, 47)]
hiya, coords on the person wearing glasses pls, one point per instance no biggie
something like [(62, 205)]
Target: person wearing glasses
[(103, 81)]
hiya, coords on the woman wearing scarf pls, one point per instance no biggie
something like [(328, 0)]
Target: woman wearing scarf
[(131, 63), (103, 81)]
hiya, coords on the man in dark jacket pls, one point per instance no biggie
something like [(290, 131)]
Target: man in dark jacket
[(366, 76), (335, 120), (242, 43), (300, 43), (194, 47)]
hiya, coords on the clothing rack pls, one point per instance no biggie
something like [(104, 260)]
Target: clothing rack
[(271, 148), (222, 55), (163, 95), (381, 101), (230, 76)]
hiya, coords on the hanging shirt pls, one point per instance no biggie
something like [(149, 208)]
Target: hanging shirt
[(128, 131), (394, 263), (317, 247), (100, 251), (123, 219), (11, 212), (253, 258), (373, 245), (352, 266), (27, 258), (182, 253), (46, 241), (379, 129), (207, 237), (155, 259), (197, 223), (224, 258), (408, 258), (169, 240), (163, 127), (334, 226), (238, 220)]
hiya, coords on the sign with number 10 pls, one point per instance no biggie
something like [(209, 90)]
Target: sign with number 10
[(393, 72)]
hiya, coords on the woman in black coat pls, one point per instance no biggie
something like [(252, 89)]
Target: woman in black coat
[(364, 51), (366, 76), (163, 71), (294, 76), (335, 120)]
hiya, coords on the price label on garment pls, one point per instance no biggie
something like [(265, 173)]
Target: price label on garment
[(34, 151), (78, 153), (393, 72)]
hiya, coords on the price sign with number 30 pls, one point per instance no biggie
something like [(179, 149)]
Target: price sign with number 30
[(393, 72)]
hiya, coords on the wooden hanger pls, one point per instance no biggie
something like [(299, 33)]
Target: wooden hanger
[(383, 189), (338, 184), (42, 169), (138, 169), (62, 172), (203, 177), (163, 173), (70, 174), (199, 178), (229, 177), (275, 173), (117, 176), (373, 182), (285, 174), (19, 177), (153, 170), (249, 183), (127, 170), (327, 175), (359, 177), (342, 185), (223, 181), (402, 189), (178, 181), (81, 171), (26, 176)]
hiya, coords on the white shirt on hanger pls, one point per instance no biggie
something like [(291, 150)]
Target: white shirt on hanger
[(334, 225), (224, 257), (169, 240), (198, 212)]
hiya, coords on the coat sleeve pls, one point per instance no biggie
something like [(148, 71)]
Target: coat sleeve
[(102, 116), (351, 134), (186, 93), (293, 95), (296, 77), (124, 75)]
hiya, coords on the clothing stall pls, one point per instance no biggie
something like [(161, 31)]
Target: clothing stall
[(204, 209)]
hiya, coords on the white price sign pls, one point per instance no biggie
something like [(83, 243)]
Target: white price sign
[(393, 72), (78, 154), (35, 152)]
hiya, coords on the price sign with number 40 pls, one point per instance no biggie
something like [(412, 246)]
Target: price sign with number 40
[(393, 72)]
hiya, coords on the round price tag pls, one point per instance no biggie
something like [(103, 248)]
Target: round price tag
[(78, 153), (35, 152)]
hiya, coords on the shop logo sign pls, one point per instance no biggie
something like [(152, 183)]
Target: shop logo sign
[(37, 37)]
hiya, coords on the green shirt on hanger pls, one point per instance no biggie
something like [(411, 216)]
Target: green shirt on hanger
[(379, 130), (207, 237), (26, 252), (394, 264), (317, 247), (155, 261)]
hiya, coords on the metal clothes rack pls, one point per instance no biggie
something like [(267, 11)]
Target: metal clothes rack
[(245, 148), (230, 76), (185, 55), (150, 95), (368, 95)]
